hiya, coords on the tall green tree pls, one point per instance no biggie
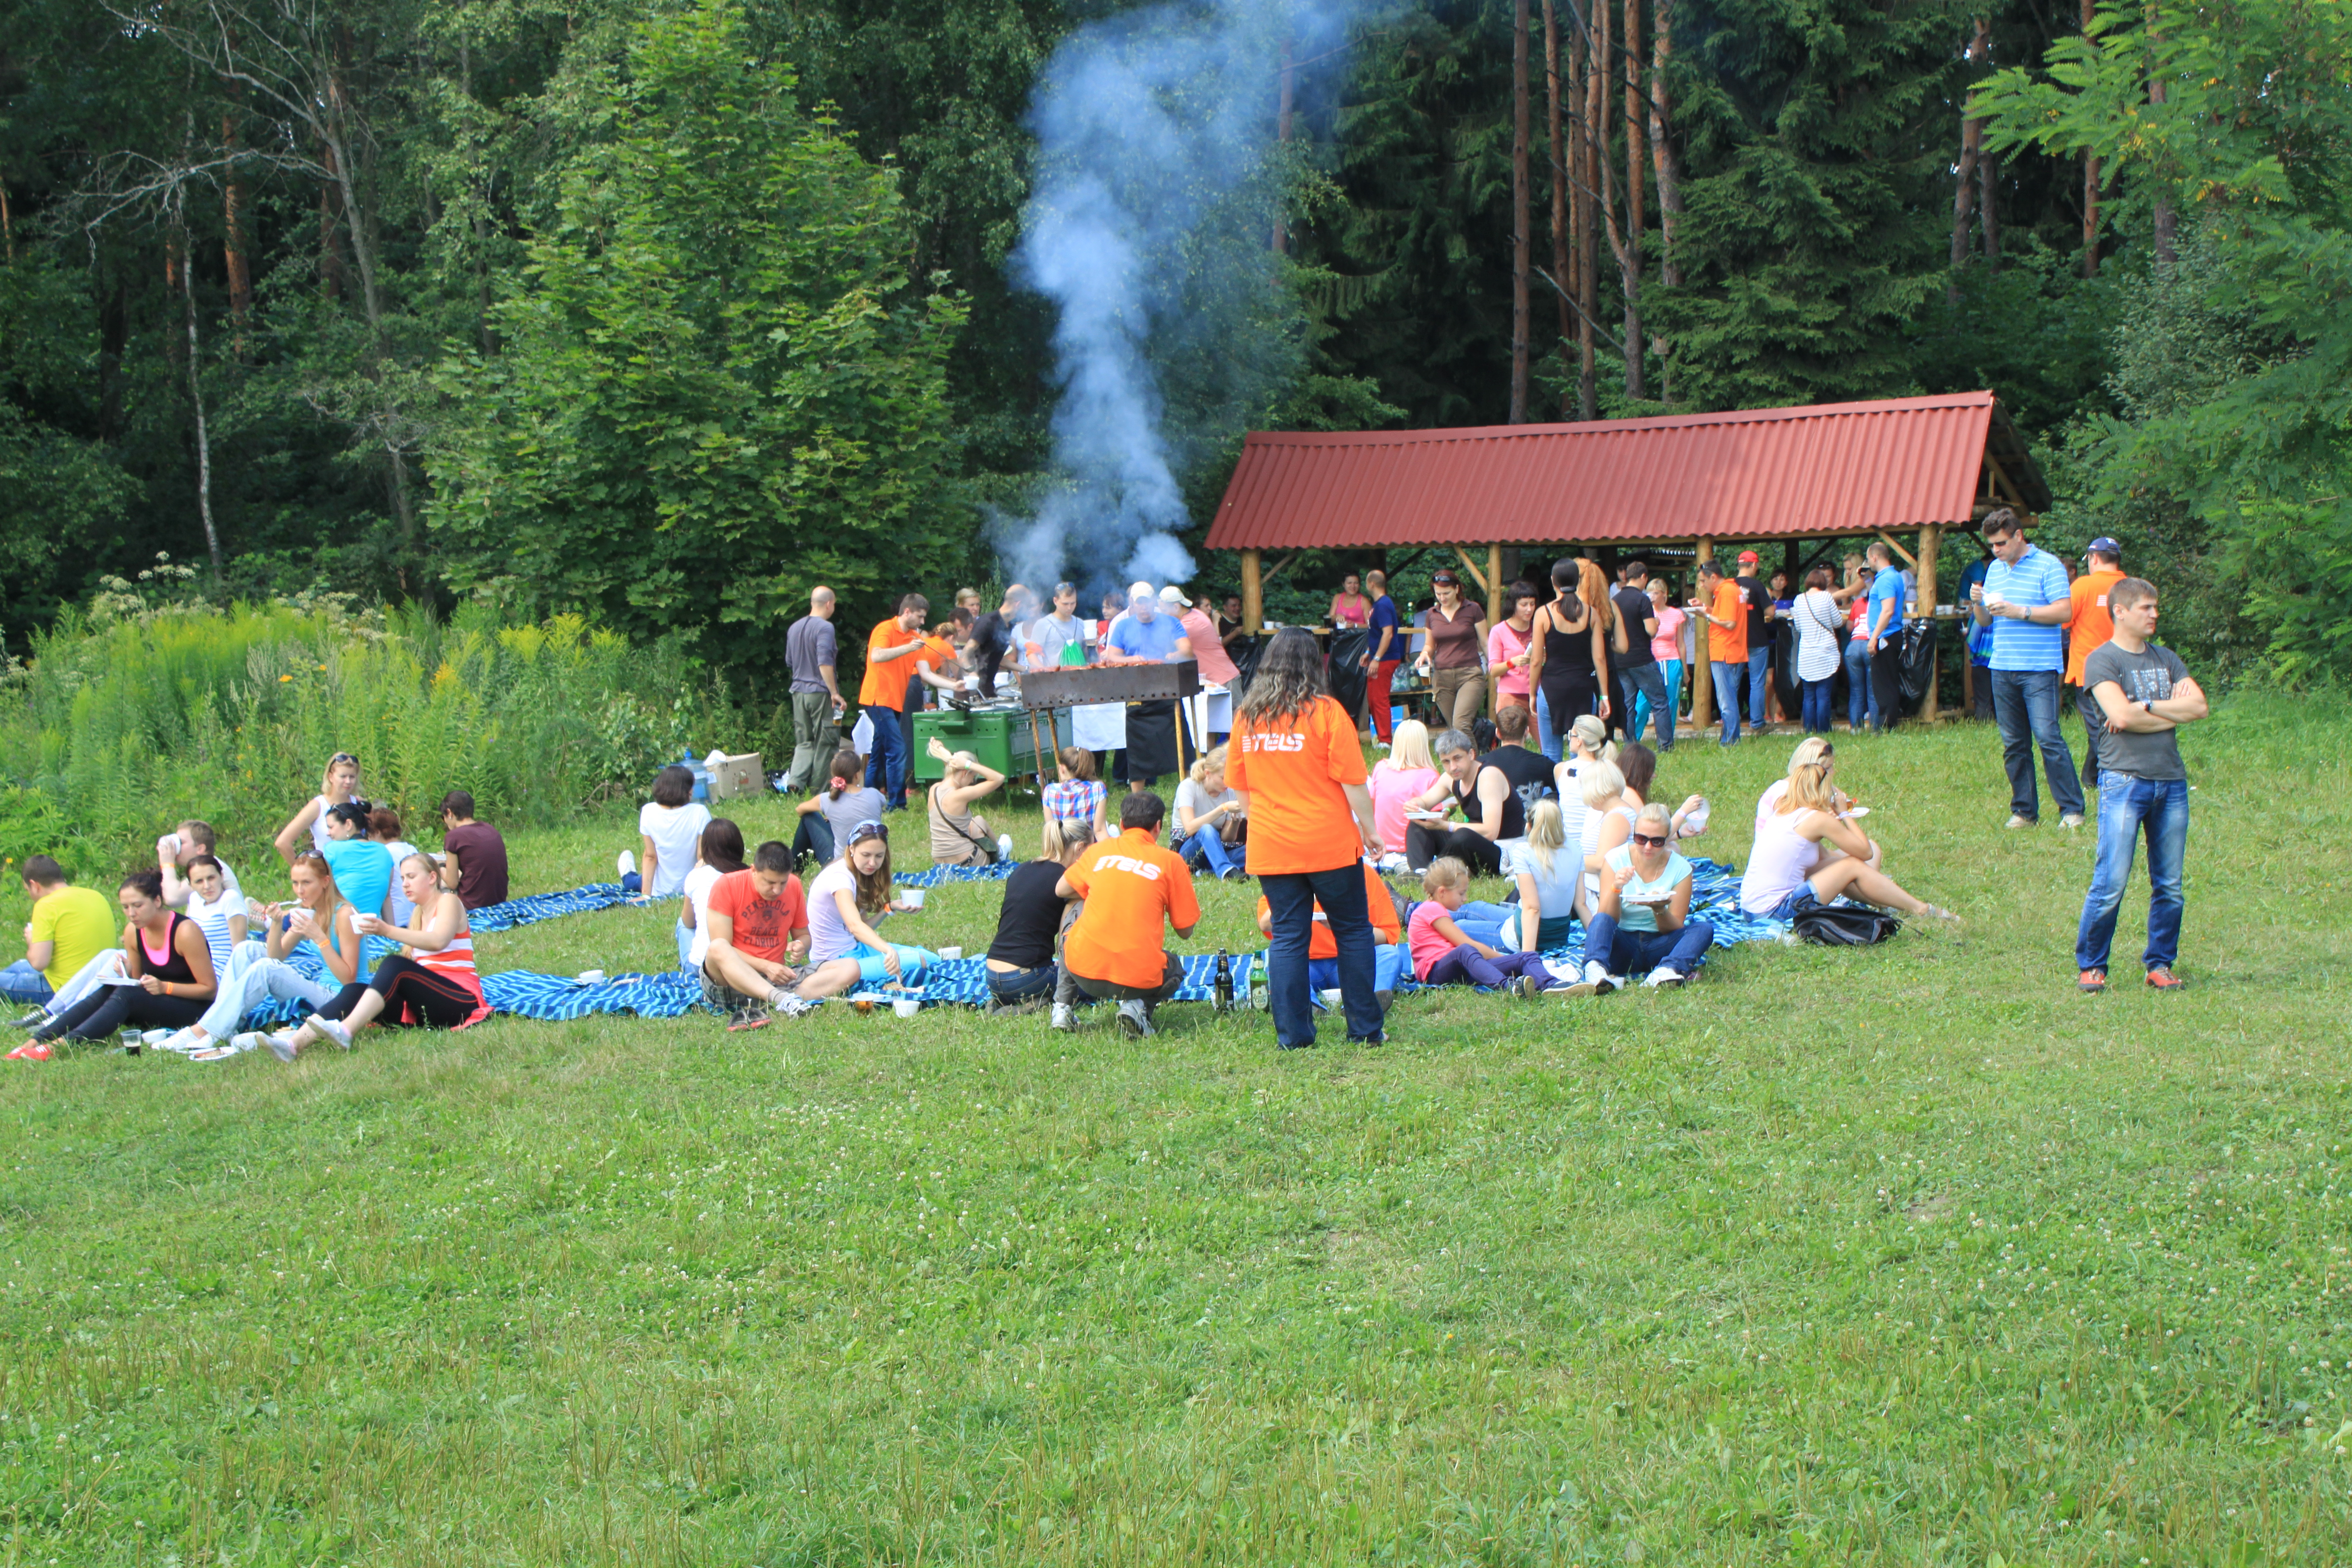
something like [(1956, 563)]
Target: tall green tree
[(715, 389)]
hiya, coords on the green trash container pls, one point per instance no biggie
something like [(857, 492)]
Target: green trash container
[(997, 736)]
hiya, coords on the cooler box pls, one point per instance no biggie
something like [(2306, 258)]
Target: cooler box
[(997, 736), (738, 776)]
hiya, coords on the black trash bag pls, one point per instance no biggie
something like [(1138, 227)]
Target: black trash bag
[(1784, 664), (1244, 652), (1918, 666), (1844, 925), (1346, 676)]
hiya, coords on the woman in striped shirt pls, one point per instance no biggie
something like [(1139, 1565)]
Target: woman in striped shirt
[(430, 982)]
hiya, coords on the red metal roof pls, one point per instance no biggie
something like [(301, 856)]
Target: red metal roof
[(1839, 468)]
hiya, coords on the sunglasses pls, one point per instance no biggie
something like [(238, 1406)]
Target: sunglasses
[(869, 828), (342, 757), (1445, 579), (1646, 842)]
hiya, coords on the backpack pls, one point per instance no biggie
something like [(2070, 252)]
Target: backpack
[(1844, 925)]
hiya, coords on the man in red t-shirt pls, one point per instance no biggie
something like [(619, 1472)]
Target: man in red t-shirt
[(1130, 884), (759, 935)]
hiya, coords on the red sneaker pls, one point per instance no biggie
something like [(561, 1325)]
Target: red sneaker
[(31, 1051), (2162, 979), (2091, 980)]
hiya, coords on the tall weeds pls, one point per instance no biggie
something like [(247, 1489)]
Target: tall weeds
[(121, 726)]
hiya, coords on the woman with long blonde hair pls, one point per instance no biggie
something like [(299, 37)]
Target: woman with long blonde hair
[(1787, 870), (1406, 772)]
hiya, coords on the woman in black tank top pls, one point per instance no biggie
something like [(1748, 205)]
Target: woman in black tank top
[(173, 990), (1571, 653)]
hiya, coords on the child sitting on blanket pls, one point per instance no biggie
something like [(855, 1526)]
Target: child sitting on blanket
[(1443, 955)]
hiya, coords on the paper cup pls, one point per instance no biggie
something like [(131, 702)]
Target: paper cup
[(592, 977), (950, 952), (907, 1006), (913, 896)]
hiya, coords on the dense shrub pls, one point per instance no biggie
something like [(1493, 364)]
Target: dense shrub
[(121, 724)]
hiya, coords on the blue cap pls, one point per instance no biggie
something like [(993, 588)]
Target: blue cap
[(2106, 546)]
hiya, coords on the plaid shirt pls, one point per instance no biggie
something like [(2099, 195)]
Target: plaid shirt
[(1074, 800)]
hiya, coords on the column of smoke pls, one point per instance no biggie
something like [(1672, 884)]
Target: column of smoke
[(1148, 229)]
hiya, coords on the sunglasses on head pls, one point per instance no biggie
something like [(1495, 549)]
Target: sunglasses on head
[(1646, 842), (342, 757), (869, 828)]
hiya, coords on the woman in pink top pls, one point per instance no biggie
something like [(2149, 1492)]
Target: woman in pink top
[(1667, 648), (1507, 650), (1348, 606), (1406, 771)]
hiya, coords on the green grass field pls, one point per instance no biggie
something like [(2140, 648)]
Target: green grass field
[(1906, 1255)]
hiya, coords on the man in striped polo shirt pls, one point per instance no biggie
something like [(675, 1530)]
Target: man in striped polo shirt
[(2026, 600)]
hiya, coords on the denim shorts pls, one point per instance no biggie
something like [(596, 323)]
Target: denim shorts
[(1795, 904)]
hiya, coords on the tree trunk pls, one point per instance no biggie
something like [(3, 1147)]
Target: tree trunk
[(1563, 278), (174, 269), (1668, 168), (197, 397), (9, 225), (1587, 255), (2090, 179), (1987, 214), (330, 252), (235, 251), (1522, 256), (1634, 386), (1971, 140), (2167, 232), (1282, 133)]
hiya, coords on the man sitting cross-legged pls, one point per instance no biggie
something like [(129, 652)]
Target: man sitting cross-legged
[(759, 932)]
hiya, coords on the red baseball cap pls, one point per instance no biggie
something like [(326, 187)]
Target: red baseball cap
[(1747, 555)]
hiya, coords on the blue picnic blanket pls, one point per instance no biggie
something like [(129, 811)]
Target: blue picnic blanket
[(937, 874), (537, 907)]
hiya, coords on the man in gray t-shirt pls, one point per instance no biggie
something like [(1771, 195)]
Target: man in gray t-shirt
[(2145, 695), (810, 652)]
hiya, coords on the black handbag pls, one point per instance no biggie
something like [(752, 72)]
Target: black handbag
[(1844, 925)]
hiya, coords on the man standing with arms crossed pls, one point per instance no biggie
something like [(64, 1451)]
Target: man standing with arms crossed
[(2144, 695), (810, 651), (2088, 626), (2025, 598)]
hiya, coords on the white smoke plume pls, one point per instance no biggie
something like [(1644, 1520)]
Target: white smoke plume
[(1148, 229)]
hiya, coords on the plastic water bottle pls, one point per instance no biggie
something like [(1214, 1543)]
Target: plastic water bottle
[(1225, 987)]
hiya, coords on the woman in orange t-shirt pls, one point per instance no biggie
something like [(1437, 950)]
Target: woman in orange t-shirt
[(1294, 759)]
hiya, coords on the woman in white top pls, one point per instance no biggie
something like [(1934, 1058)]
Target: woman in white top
[(216, 908), (1587, 741), (846, 902), (1817, 618), (384, 826), (1787, 871), (668, 827), (719, 854), (1607, 820), (341, 784)]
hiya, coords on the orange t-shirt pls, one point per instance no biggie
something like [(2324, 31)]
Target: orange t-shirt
[(2090, 625), (1299, 815), (1321, 943), (884, 685), (1729, 645), (1130, 884)]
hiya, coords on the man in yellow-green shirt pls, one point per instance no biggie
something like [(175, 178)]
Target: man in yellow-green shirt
[(69, 927)]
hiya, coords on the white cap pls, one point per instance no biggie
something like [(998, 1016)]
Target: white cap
[(1173, 597), (1137, 591)]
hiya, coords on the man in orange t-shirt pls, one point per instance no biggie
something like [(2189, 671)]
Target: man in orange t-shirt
[(2090, 627), (1296, 761), (883, 693), (1130, 884), (1725, 609)]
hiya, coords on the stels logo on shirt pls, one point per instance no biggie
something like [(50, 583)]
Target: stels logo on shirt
[(1274, 743), (1144, 869)]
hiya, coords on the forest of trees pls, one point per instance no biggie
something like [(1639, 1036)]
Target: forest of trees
[(660, 310)]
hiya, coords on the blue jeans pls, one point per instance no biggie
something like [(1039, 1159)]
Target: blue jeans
[(1861, 701), (1669, 674), (1622, 952), (1482, 920), (1727, 696), (886, 770), (1760, 676), (20, 981), (2026, 704), (1211, 846), (1547, 738), (1818, 711), (1387, 964), (1643, 690), (1291, 898), (2126, 804)]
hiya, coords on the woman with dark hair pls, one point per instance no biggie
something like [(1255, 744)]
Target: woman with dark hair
[(1456, 635), (720, 853), (846, 903), (363, 868), (1816, 617), (164, 951), (827, 815), (668, 827), (1569, 659), (384, 827), (1295, 761)]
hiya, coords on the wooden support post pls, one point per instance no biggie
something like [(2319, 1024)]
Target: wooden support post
[(1701, 673), (1931, 537), (1253, 596), (1495, 613)]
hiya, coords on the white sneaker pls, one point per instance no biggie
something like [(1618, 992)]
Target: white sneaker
[(156, 1036), (2072, 819), (183, 1041), (1664, 979), (281, 1044), (333, 1028), (791, 1005), (1004, 847), (2017, 821), (251, 1040), (1134, 1022), (627, 863), (1597, 982), (1066, 1018)]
